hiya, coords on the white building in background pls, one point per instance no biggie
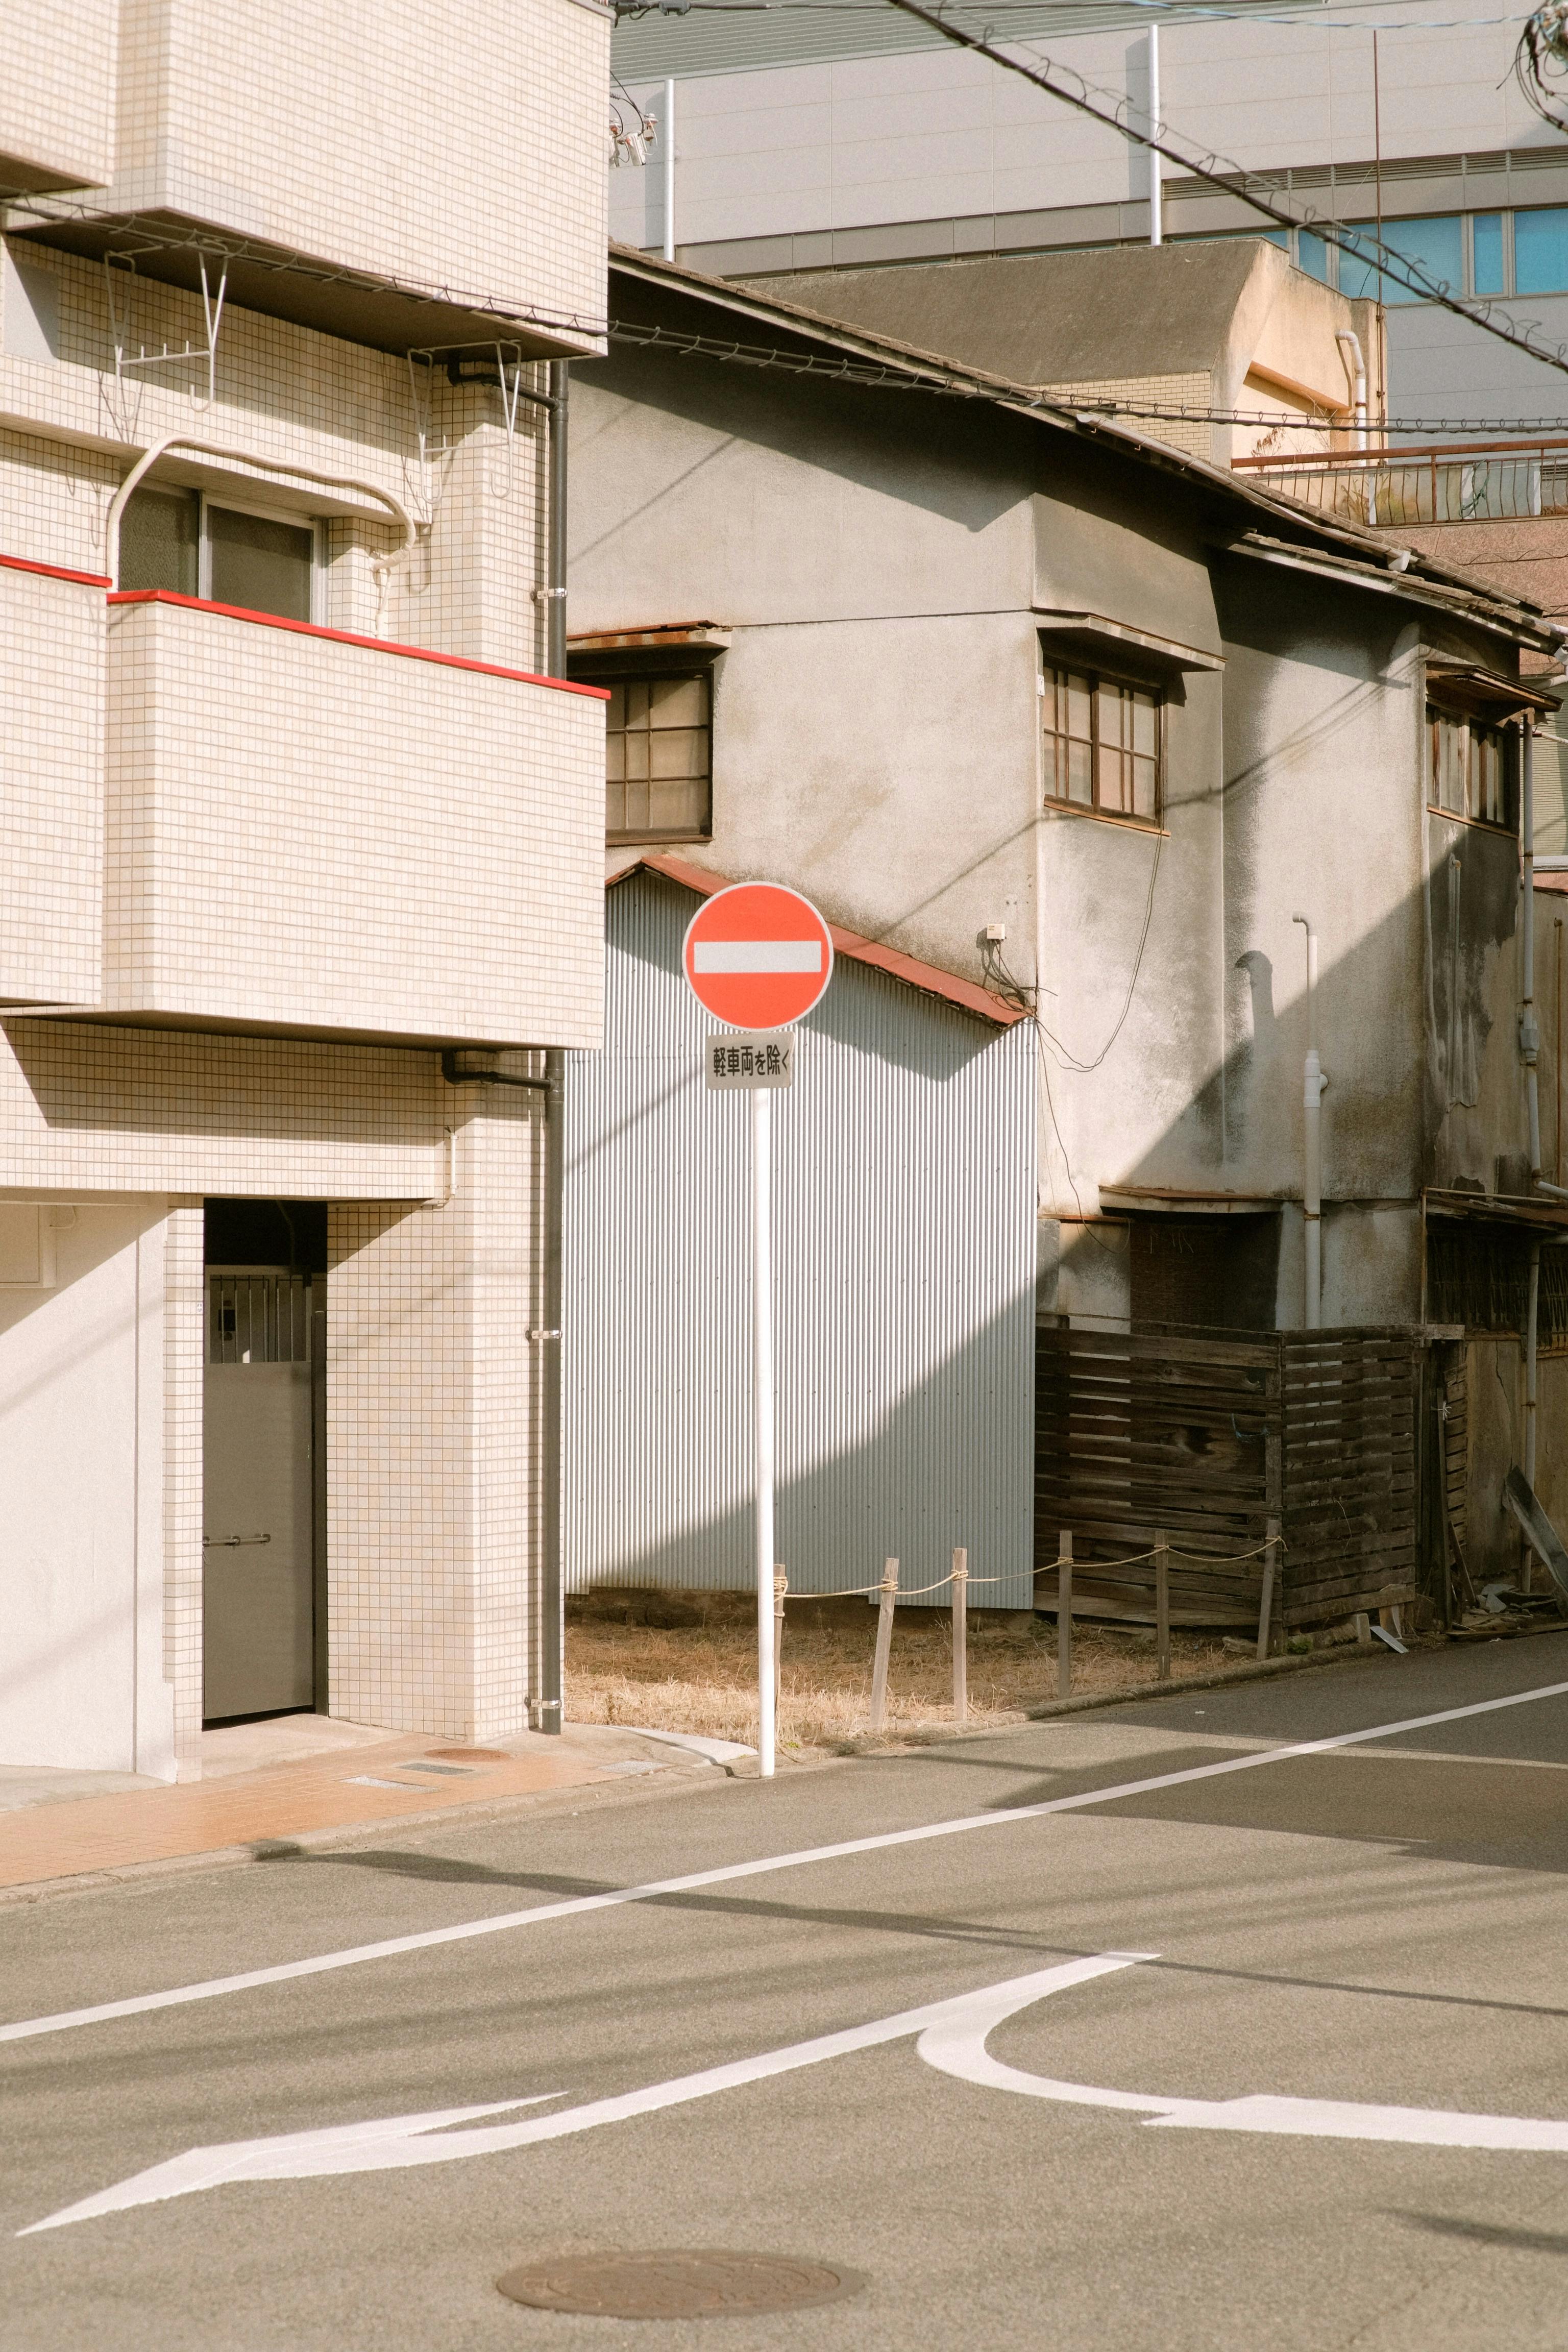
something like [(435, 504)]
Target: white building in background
[(289, 809), (845, 135)]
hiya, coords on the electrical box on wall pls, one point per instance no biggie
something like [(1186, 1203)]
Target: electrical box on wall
[(26, 1246)]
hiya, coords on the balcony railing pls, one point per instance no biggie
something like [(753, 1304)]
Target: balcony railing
[(1474, 481)]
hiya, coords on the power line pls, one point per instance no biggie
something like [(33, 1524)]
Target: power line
[(1229, 177)]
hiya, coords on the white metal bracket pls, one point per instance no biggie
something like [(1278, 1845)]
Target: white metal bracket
[(119, 274), (508, 380)]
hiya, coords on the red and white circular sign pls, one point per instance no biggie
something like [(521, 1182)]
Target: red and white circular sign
[(757, 955)]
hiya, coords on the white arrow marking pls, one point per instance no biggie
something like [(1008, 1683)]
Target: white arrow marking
[(952, 2035), (957, 2046), (756, 955), (404, 2139)]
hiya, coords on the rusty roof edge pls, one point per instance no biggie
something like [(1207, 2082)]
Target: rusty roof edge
[(1526, 618), (928, 978)]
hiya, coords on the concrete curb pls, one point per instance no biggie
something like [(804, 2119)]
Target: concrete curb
[(1259, 1670)]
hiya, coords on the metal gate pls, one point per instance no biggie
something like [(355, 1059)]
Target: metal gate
[(258, 1548)]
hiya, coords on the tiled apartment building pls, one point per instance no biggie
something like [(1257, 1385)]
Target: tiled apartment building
[(301, 842)]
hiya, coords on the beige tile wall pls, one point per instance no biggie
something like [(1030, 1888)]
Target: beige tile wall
[(57, 93), (184, 1310), (1195, 437), (330, 836), (51, 789), (429, 1480), (90, 1108), (457, 146), (287, 398)]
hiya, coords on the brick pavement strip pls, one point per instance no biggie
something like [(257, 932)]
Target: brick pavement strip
[(43, 1843)]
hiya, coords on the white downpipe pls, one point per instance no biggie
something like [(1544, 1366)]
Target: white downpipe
[(1355, 370), (1313, 1083), (149, 456), (669, 171), (1156, 194)]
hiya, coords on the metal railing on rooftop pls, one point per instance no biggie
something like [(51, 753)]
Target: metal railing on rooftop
[(1455, 481)]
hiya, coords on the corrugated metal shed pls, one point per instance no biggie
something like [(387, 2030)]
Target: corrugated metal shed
[(903, 1237)]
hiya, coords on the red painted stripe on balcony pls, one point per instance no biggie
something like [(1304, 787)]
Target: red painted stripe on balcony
[(54, 571), (346, 637)]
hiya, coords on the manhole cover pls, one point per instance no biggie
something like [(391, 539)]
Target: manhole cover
[(676, 2284), (468, 1755)]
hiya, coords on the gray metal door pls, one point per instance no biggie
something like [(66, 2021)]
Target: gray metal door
[(258, 1650)]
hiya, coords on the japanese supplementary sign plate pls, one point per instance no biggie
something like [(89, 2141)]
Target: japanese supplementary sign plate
[(757, 956), (760, 1057)]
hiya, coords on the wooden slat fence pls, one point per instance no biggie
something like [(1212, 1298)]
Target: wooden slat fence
[(1208, 1437)]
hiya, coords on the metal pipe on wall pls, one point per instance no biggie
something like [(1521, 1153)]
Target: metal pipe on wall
[(550, 1627), (1313, 1083), (1156, 194), (1529, 1031), (668, 127), (1531, 1330)]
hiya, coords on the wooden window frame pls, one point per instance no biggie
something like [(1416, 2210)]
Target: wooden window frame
[(1098, 674), (700, 673), (1440, 713)]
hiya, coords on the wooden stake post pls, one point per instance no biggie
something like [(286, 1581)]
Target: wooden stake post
[(1271, 1577), (1064, 1613), (884, 1643), (960, 1635), (1162, 1604)]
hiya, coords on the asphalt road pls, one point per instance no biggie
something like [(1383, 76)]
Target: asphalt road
[(1352, 1945)]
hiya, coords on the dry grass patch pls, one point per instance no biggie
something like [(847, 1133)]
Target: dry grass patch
[(702, 1677)]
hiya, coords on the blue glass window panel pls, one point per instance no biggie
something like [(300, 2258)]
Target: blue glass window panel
[(1541, 251), (1312, 255), (1438, 244), (1486, 230)]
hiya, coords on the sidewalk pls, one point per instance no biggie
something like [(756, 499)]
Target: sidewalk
[(268, 1782)]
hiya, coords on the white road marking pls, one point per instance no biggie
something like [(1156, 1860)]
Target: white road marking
[(951, 2037), (580, 1905), (957, 2046), (401, 2140)]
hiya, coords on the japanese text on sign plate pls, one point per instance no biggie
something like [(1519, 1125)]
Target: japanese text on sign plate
[(764, 1059)]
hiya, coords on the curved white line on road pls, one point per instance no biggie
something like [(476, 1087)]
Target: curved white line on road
[(957, 2046), (578, 1907), (401, 2140)]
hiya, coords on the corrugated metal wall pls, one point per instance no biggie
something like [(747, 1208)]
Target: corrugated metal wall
[(903, 1237)]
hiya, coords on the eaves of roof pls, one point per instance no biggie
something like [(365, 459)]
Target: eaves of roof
[(928, 978), (1408, 573)]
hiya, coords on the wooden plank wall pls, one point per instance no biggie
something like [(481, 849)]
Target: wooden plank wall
[(1351, 1401), (1149, 1430), (1205, 1435)]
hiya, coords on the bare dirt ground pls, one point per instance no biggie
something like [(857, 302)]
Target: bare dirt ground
[(702, 1677)]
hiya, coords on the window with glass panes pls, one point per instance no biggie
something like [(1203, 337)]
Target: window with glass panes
[(657, 759), (1468, 769), (1101, 744)]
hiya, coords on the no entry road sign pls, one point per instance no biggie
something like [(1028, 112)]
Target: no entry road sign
[(758, 956)]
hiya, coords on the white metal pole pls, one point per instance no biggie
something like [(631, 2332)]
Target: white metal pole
[(669, 171), (1156, 197), (763, 1404)]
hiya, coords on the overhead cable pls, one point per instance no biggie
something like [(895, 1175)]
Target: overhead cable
[(1232, 180)]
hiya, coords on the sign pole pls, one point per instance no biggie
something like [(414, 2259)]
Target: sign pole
[(763, 1403)]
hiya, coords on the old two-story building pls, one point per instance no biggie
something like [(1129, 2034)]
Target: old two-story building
[(299, 835), (1110, 732)]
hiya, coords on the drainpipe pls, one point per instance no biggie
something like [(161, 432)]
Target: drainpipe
[(1531, 1325), (1312, 1142), (547, 1681), (1156, 194), (1355, 369)]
